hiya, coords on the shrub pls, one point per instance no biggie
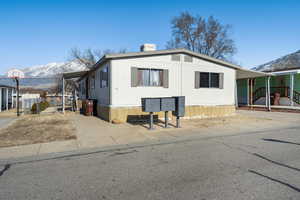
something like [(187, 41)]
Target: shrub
[(42, 106)]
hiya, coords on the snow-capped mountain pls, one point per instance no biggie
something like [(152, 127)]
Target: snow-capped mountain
[(290, 61), (43, 76), (52, 69)]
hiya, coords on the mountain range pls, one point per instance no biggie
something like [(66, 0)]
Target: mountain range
[(290, 61), (52, 69), (43, 76)]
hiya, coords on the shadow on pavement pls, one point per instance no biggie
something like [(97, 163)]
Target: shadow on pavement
[(280, 141), (275, 180), (275, 162), (6, 167)]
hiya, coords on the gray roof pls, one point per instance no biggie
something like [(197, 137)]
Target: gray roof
[(107, 57), (164, 52), (6, 86)]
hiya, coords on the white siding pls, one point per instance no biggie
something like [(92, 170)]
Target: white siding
[(181, 81), (98, 93), (207, 96)]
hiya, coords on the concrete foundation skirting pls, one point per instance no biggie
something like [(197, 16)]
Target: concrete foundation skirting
[(124, 114)]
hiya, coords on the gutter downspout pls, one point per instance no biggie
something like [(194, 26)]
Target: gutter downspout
[(110, 85), (181, 66)]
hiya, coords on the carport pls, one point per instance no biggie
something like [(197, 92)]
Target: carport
[(69, 76), (244, 91)]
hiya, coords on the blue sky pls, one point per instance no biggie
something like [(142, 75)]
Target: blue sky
[(39, 32)]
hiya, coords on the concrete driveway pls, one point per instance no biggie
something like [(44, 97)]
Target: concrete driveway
[(94, 132)]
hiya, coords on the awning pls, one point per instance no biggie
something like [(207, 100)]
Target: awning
[(70, 75), (286, 72), (247, 73)]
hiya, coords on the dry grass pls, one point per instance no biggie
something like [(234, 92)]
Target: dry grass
[(8, 113), (37, 129)]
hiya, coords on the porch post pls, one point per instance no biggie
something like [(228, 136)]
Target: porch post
[(269, 95), (236, 95), (248, 82), (0, 99), (251, 92), (63, 95), (6, 98), (75, 100), (266, 91), (292, 89), (12, 98)]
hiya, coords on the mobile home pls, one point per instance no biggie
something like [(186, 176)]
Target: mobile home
[(119, 81)]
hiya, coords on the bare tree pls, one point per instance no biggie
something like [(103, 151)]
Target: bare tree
[(86, 57), (89, 57), (206, 36)]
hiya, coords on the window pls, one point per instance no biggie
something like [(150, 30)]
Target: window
[(150, 77), (209, 80), (214, 80), (204, 80), (104, 78), (92, 82), (145, 77)]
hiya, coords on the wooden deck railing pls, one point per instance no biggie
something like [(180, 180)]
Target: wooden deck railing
[(283, 91)]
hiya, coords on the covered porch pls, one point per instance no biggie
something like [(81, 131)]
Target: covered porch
[(277, 90), (7, 97), (70, 76)]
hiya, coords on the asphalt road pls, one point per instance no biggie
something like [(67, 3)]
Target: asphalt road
[(252, 165)]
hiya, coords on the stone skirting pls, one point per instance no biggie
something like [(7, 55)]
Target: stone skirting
[(124, 114)]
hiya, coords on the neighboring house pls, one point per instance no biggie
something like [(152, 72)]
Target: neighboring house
[(119, 81), (286, 83), (284, 79), (7, 97), (27, 100)]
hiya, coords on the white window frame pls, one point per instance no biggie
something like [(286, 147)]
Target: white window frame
[(152, 69)]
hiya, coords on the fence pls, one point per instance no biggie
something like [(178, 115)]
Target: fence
[(26, 104)]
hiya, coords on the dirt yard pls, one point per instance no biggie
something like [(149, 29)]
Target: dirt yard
[(34, 129)]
